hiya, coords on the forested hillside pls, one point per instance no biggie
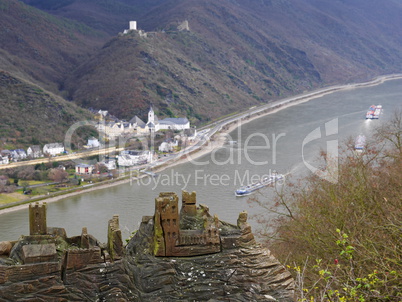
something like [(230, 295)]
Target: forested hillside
[(233, 54), (33, 116), (237, 54)]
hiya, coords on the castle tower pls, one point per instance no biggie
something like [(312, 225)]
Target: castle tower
[(189, 203), (133, 25), (37, 219)]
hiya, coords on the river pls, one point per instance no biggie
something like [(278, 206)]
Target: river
[(274, 142)]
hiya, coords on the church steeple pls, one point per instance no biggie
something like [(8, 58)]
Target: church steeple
[(151, 116)]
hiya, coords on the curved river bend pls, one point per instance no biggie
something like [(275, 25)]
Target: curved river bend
[(272, 142)]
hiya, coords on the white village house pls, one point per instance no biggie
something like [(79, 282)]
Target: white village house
[(84, 169), (18, 154), (5, 156), (168, 146), (34, 151), (93, 142), (115, 129), (4, 160), (53, 149), (109, 164), (133, 158)]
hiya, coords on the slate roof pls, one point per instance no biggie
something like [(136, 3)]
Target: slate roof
[(84, 166), (54, 145), (35, 148), (171, 121), (5, 152), (138, 121)]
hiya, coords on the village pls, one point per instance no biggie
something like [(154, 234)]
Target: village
[(168, 135), (140, 145)]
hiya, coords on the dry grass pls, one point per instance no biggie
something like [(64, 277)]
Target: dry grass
[(11, 197)]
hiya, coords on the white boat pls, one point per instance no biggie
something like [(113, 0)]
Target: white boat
[(266, 181), (370, 112), (374, 112), (377, 112)]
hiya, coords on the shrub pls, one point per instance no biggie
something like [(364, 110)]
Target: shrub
[(343, 240), (58, 175)]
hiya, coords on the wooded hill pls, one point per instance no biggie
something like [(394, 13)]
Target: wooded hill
[(33, 116), (236, 54)]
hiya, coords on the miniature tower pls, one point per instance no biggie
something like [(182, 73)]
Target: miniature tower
[(84, 239), (37, 219), (114, 239), (166, 226), (192, 233), (189, 203)]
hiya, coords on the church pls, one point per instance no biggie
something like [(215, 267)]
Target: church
[(154, 124), (116, 128)]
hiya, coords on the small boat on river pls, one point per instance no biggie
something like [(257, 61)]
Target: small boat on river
[(377, 112), (374, 112), (266, 181), (370, 112)]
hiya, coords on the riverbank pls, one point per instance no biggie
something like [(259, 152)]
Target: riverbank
[(216, 137)]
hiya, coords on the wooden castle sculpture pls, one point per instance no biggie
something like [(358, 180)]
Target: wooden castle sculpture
[(48, 250), (213, 260), (193, 232)]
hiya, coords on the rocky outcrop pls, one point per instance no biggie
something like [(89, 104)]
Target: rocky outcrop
[(54, 267)]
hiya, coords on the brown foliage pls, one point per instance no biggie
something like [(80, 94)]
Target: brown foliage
[(365, 204), (37, 115), (58, 175), (5, 186)]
